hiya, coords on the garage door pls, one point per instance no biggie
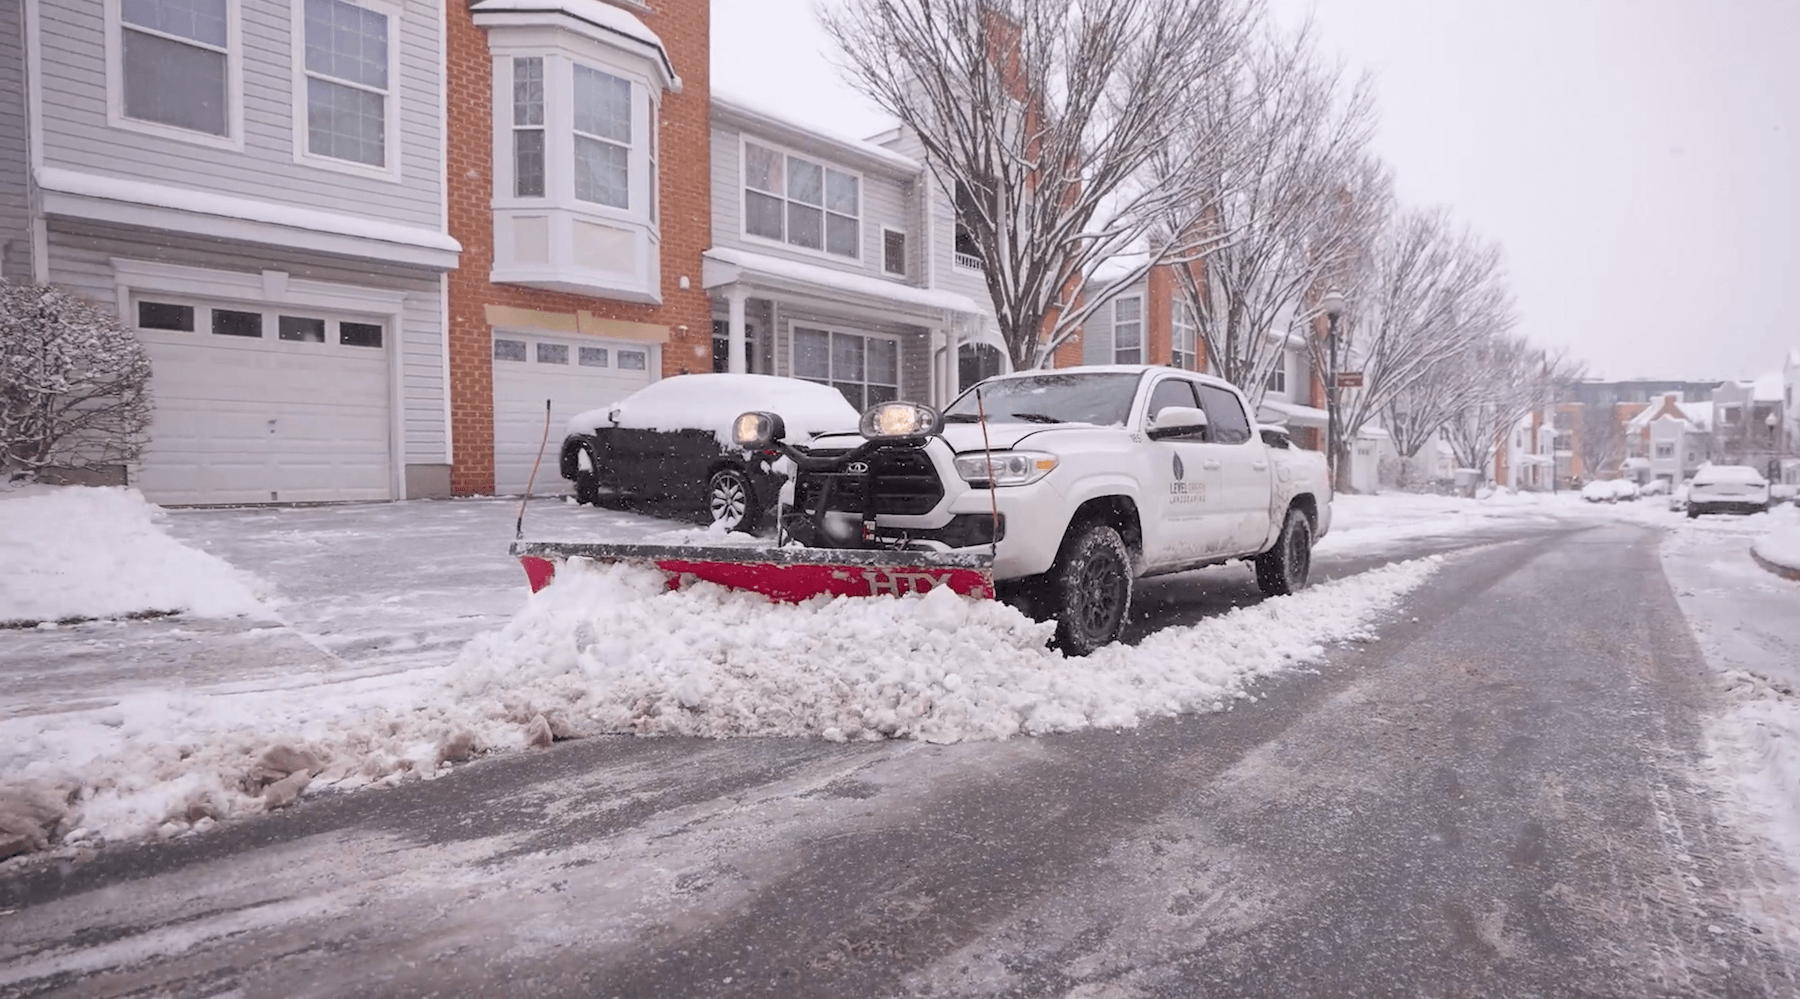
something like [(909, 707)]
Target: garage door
[(263, 404), (576, 374)]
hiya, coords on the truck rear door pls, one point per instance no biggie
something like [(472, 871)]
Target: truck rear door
[(1183, 481), (1244, 469)]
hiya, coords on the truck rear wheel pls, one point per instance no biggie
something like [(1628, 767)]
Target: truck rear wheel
[(1090, 587), (1283, 569)]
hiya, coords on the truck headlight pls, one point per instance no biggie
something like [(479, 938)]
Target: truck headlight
[(899, 419), (1009, 468), (755, 431)]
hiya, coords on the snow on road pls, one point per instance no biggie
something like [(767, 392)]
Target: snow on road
[(1747, 622), (1370, 525), (99, 553), (606, 649)]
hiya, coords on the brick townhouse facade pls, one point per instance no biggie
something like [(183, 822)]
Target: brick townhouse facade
[(579, 188)]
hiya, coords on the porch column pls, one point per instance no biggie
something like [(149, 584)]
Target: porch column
[(734, 301)]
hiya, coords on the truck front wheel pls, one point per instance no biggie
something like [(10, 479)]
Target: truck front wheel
[(1283, 569), (1091, 589)]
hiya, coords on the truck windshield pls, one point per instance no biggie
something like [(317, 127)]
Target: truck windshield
[(1103, 399)]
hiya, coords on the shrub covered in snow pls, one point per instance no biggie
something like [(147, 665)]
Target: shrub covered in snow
[(74, 383)]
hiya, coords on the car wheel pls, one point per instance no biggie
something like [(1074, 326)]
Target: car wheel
[(1693, 512), (1091, 587), (1284, 568), (731, 501), (587, 487)]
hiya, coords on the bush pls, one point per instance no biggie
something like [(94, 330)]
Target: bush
[(74, 383)]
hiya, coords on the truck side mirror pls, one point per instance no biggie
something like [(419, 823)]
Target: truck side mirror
[(1178, 421)]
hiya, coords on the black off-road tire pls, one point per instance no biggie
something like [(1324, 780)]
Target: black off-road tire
[(1090, 589), (1284, 568), (587, 488), (1693, 512), (731, 499)]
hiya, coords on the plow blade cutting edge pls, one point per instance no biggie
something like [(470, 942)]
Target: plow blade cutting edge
[(785, 574)]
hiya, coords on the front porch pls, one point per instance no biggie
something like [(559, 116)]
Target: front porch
[(873, 340)]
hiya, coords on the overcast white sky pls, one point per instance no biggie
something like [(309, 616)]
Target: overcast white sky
[(1638, 159)]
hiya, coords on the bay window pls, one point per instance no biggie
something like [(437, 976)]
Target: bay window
[(575, 148)]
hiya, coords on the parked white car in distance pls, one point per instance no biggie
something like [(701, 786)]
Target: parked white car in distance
[(1727, 489)]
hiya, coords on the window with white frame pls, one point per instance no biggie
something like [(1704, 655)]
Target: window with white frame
[(865, 368), (602, 106), (1665, 450), (1128, 330), (276, 326), (347, 82), (1183, 336), (175, 63), (1278, 378), (528, 126), (800, 202)]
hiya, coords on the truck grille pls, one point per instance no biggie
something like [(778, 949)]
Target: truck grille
[(906, 484)]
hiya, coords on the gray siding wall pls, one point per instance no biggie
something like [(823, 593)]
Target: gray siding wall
[(942, 209), (15, 226), (1096, 337), (81, 260), (885, 202), (77, 136)]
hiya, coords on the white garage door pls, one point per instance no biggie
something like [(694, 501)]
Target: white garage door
[(263, 404), (576, 373)]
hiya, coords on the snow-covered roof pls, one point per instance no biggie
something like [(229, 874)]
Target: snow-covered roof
[(1699, 414), (1114, 268), (1769, 388), (604, 16), (1292, 413), (138, 192), (786, 128), (727, 265)]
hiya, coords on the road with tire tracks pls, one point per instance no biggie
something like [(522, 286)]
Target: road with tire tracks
[(1503, 795)]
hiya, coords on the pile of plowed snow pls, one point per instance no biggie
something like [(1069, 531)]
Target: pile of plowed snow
[(609, 649), (99, 553)]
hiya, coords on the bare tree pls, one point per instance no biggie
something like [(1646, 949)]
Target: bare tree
[(74, 384), (1514, 379), (1425, 296), (1039, 119), (1288, 195), (1600, 442)]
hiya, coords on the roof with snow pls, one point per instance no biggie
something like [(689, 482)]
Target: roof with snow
[(622, 24), (1769, 388), (783, 127)]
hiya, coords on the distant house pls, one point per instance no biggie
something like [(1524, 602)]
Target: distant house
[(257, 187), (1670, 439), (1747, 423)]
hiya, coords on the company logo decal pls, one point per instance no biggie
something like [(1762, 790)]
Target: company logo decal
[(857, 468), (1179, 470)]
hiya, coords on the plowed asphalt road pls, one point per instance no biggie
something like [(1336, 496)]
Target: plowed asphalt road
[(1502, 796)]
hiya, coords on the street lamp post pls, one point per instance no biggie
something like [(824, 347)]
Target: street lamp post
[(1333, 305)]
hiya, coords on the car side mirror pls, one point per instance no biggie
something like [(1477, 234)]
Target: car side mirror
[(1178, 421)]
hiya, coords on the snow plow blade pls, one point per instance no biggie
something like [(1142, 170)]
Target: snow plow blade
[(785, 574)]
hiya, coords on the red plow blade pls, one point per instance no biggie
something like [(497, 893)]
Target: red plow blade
[(785, 574)]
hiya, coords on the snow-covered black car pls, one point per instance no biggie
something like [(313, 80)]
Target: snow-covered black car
[(670, 442)]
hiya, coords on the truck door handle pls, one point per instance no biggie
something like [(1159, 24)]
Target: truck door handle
[(1210, 465), (1260, 466)]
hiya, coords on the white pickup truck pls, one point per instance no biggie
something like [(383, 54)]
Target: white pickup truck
[(1078, 481)]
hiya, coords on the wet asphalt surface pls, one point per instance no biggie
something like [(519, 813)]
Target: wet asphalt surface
[(1502, 796)]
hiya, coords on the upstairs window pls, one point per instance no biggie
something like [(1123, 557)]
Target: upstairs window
[(1128, 331), (801, 203), (528, 126), (1184, 352), (346, 70), (602, 138), (174, 63), (893, 252), (1278, 377)]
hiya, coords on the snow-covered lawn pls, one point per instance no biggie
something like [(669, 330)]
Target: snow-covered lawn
[(389, 597), (1780, 545)]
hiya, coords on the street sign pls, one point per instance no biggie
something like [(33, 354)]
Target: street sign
[(1349, 379)]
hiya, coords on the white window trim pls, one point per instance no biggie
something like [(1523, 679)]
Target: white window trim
[(559, 134), (234, 84), (899, 351), (390, 113), (905, 255), (743, 192), (1112, 330), (1177, 310), (651, 350)]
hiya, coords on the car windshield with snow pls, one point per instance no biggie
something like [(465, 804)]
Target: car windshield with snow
[(1096, 398), (670, 444)]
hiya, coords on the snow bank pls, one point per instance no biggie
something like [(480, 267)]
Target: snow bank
[(79, 552), (609, 649), (713, 402), (1781, 546), (1756, 743)]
